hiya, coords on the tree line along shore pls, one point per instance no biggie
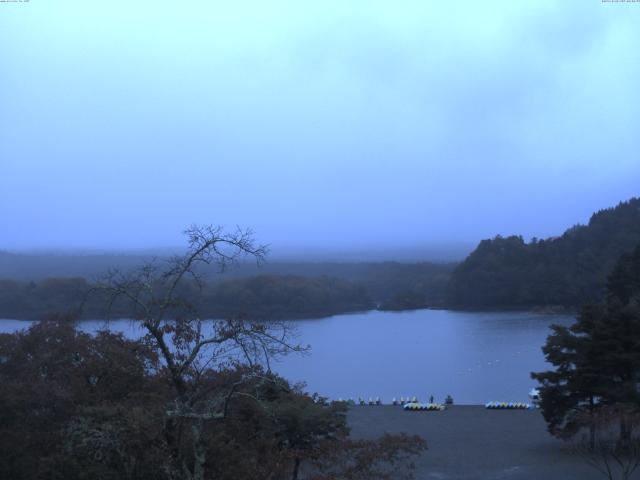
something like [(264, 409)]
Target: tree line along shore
[(555, 274)]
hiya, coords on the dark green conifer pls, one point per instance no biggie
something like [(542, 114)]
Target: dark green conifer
[(597, 359)]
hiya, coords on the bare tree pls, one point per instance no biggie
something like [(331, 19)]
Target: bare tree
[(190, 348), (604, 451)]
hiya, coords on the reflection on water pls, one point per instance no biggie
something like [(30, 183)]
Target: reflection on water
[(475, 357)]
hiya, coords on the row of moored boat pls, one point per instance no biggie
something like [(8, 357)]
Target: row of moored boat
[(508, 406)]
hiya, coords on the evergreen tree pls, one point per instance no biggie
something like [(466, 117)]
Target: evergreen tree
[(623, 284), (569, 393), (569, 270), (597, 359)]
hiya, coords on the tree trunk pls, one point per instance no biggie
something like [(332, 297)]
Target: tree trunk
[(171, 437), (624, 442), (199, 451), (592, 426), (296, 467)]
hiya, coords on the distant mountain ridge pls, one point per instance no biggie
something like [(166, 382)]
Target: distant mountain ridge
[(566, 271)]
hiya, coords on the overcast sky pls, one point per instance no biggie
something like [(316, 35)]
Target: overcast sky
[(337, 124)]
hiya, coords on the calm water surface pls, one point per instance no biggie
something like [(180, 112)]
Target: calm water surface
[(475, 357)]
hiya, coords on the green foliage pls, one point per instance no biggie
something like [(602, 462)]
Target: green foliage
[(309, 437), (623, 284), (569, 270), (406, 300), (282, 290), (394, 286), (261, 297), (573, 388), (268, 296), (597, 359), (31, 300), (399, 286)]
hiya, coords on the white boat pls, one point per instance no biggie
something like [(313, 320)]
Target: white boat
[(534, 395)]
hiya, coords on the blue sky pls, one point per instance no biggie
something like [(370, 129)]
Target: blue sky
[(337, 125)]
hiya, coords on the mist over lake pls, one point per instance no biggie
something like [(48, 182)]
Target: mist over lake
[(474, 356)]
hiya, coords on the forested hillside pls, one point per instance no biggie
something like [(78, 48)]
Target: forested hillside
[(505, 272), (34, 285), (568, 270), (261, 297)]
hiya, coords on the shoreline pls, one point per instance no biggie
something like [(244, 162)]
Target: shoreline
[(538, 310)]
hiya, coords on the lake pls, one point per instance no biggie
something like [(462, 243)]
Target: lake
[(473, 356)]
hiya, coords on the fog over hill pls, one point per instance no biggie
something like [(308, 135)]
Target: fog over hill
[(39, 264)]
